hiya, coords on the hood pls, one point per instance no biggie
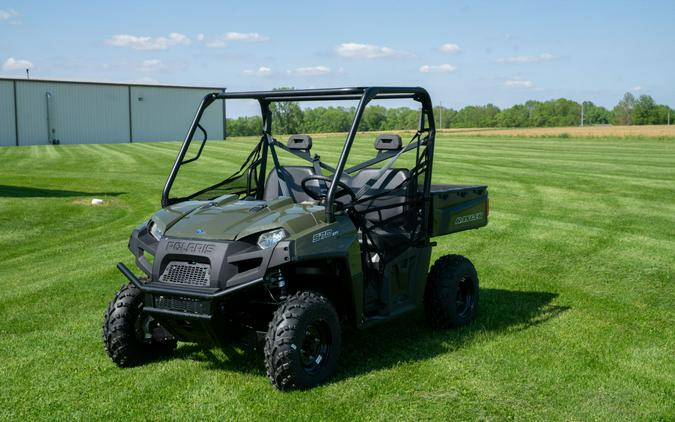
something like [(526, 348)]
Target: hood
[(228, 218)]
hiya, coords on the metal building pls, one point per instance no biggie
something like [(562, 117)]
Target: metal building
[(40, 112)]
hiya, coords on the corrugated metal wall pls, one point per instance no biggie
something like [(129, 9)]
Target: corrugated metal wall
[(86, 113), (78, 114), (7, 123), (164, 114)]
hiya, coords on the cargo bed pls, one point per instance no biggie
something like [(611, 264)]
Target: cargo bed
[(456, 208)]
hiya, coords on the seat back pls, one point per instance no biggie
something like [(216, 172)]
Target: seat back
[(293, 175), (391, 179)]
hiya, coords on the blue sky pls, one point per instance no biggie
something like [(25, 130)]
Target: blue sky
[(464, 53)]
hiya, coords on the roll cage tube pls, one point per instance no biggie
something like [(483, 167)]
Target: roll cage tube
[(363, 94), (269, 141), (206, 101)]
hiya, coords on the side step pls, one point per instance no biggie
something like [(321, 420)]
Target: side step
[(399, 310)]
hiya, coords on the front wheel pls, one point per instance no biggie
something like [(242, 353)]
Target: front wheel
[(302, 344), (129, 336), (451, 294)]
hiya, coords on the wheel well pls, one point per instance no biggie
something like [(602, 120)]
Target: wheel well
[(329, 277)]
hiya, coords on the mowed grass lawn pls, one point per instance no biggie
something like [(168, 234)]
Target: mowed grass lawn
[(576, 319)]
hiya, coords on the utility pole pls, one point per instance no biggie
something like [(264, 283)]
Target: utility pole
[(440, 114), (582, 114), (668, 117), (224, 116)]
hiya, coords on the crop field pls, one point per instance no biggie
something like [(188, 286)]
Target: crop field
[(576, 319), (631, 132)]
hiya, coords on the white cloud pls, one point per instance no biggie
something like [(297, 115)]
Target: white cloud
[(7, 14), (441, 68), (261, 71), (637, 88), (16, 64), (245, 36), (518, 83), (310, 71), (369, 51), (216, 44), (449, 48), (152, 65), (149, 43), (545, 57), (221, 42)]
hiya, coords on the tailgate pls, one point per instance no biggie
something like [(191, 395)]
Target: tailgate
[(455, 208)]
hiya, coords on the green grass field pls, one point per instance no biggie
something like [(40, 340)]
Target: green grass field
[(576, 321)]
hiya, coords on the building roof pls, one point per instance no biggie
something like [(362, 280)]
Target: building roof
[(66, 81)]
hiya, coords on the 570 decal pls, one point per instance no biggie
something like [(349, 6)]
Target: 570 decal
[(326, 234)]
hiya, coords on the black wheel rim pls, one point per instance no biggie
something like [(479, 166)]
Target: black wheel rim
[(143, 326), (466, 296), (315, 347)]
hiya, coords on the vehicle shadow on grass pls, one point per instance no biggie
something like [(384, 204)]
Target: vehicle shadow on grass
[(230, 358), (7, 191), (406, 339), (410, 339)]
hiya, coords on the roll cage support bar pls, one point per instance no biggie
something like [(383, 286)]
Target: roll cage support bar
[(363, 94)]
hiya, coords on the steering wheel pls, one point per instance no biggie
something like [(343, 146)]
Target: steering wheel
[(344, 189)]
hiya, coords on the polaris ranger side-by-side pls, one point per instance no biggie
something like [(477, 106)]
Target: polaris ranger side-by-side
[(295, 252)]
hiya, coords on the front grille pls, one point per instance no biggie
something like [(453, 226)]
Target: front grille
[(187, 273), (182, 304)]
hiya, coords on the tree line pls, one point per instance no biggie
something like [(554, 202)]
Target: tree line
[(289, 118)]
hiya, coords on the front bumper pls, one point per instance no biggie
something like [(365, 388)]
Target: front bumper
[(169, 301), (168, 290)]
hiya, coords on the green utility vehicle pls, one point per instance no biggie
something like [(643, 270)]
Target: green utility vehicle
[(293, 253)]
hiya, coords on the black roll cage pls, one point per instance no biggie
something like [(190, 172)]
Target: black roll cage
[(363, 94)]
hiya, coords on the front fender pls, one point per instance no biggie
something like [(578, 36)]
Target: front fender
[(335, 241)]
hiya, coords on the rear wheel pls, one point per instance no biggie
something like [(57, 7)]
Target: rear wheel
[(451, 294), (303, 341), (129, 336)]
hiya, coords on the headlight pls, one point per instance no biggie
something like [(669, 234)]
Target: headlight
[(269, 239), (154, 230)]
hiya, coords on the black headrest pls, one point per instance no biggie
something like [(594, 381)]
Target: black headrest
[(302, 142), (388, 142)]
